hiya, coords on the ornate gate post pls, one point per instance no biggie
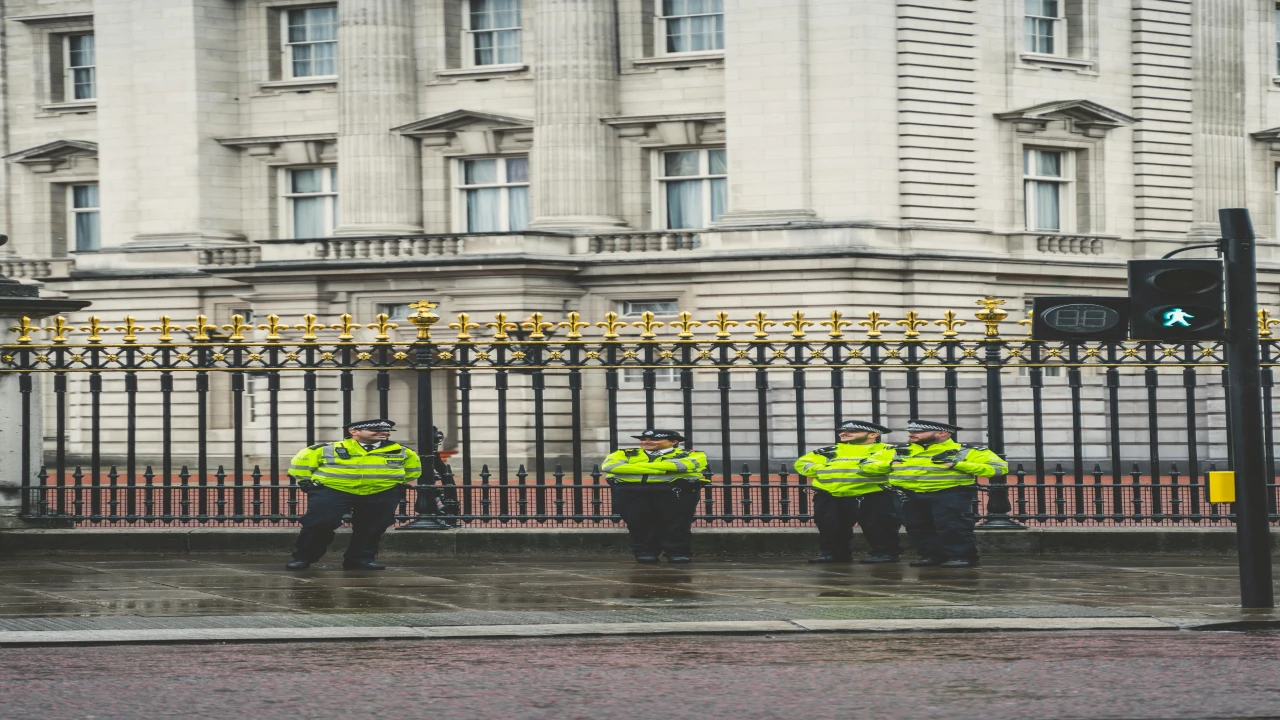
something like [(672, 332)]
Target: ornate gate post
[(998, 506)]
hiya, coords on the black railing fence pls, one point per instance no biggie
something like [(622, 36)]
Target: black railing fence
[(145, 428)]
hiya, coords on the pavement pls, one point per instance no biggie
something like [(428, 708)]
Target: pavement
[(245, 598)]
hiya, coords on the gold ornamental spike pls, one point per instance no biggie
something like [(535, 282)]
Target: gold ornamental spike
[(574, 323), (464, 326), (991, 315), (346, 326), (722, 323), (166, 328), (94, 328), (24, 328), (647, 325), (130, 328), (382, 326), (237, 328), (949, 323), (761, 325), (423, 318), (686, 325), (873, 323), (535, 324), (201, 329), (797, 323), (1027, 322), (501, 327), (60, 328), (836, 325), (912, 322), (611, 325), (273, 328), (1264, 323), (309, 327)]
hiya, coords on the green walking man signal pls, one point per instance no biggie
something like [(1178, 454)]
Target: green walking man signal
[(1178, 317)]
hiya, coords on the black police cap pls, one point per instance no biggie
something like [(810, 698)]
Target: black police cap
[(927, 425), (864, 426), (375, 424), (654, 434)]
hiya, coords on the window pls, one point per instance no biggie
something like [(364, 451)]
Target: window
[(1277, 24), (492, 34), (394, 312), (692, 25), (693, 186), (1047, 179), (311, 200), (660, 308), (311, 42), (83, 202), (80, 82), (493, 194), (1044, 23)]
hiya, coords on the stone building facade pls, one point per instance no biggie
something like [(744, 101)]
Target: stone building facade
[(300, 156)]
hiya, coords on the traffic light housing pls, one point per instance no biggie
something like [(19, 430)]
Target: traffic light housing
[(1080, 317), (1176, 300)]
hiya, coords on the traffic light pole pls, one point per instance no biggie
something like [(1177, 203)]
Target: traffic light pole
[(1253, 540)]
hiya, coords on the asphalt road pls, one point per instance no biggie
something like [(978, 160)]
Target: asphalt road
[(1153, 674)]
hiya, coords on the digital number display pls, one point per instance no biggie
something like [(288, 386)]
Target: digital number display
[(1081, 318)]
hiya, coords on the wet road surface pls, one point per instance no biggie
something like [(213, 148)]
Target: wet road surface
[(908, 676)]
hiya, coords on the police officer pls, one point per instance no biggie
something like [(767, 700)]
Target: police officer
[(939, 476), (655, 490), (849, 488), (361, 475)]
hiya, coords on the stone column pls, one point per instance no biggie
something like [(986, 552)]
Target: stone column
[(1219, 88), (379, 176), (574, 165), (766, 91)]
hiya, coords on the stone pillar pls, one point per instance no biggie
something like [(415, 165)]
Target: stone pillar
[(379, 175), (1219, 142), (574, 165), (766, 97)]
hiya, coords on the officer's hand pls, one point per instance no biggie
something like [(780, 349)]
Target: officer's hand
[(947, 465), (308, 485)]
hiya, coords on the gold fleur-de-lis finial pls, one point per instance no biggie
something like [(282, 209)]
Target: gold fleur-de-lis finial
[(273, 328), (94, 329), (611, 325), (1265, 322), (201, 329), (501, 327), (423, 318), (722, 323), (346, 326), (991, 315), (166, 328), (309, 327), (60, 328), (24, 328), (912, 322), (761, 325), (647, 325), (836, 325), (797, 323), (464, 326), (237, 328), (130, 328), (1027, 322), (535, 325), (573, 321), (382, 326), (949, 323), (686, 323), (873, 323)]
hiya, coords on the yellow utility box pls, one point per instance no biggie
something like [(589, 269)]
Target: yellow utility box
[(1222, 486)]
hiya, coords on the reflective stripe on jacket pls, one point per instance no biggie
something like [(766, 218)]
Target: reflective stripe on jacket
[(635, 466), (361, 472), (855, 469), (919, 472)]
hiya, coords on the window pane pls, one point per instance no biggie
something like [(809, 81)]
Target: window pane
[(84, 196), (322, 23), (323, 60), (674, 7), (518, 208), (480, 172), (716, 162), (484, 54), (333, 179), (1047, 197), (657, 307), (81, 50), (517, 170), (719, 198), (308, 217), (305, 181), (506, 13), (483, 208), (684, 204), (87, 231), (82, 80), (678, 35), (297, 26), (680, 163), (1048, 164), (508, 46)]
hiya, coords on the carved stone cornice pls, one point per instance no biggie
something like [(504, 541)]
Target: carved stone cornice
[(54, 155), (471, 132), (671, 129), (303, 149), (1081, 116)]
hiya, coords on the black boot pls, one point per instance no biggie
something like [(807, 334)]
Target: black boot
[(362, 565), (879, 559), (960, 564), (926, 562), (297, 565)]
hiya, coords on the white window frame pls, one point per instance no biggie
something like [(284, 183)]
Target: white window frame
[(1059, 29), (660, 180), (73, 212), (460, 189), (395, 312), (1275, 66), (635, 376), (1066, 190), (68, 70), (328, 190), (635, 308), (469, 38), (286, 47), (660, 31)]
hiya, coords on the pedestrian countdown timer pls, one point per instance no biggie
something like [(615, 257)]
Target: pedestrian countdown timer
[(1080, 318)]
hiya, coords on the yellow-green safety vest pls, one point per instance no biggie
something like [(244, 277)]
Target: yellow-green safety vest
[(919, 471), (853, 471), (635, 466), (348, 467)]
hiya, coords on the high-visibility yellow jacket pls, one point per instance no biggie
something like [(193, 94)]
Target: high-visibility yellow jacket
[(348, 467), (635, 466), (846, 470), (920, 469)]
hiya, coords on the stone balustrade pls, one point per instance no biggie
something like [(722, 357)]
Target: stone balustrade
[(230, 256), (391, 247), (643, 242), (35, 269)]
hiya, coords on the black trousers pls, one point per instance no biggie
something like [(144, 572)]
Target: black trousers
[(941, 523), (371, 515), (659, 516), (875, 512)]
